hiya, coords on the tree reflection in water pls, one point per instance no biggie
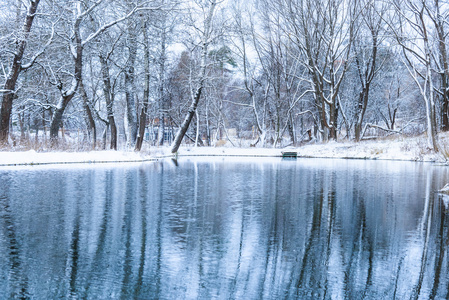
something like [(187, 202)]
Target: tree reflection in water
[(305, 229)]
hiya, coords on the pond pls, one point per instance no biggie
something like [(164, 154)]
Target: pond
[(223, 228)]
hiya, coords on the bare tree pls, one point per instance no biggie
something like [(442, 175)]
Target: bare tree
[(109, 98), (146, 91), (90, 122), (162, 98), (366, 47), (130, 88), (412, 31), (323, 32), (17, 65), (206, 41), (77, 44), (439, 13), (246, 36)]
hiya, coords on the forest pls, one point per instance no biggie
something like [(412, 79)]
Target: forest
[(262, 73)]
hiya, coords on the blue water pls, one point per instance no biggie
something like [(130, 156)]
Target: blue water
[(225, 229)]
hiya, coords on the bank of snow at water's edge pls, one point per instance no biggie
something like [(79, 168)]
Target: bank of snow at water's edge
[(36, 158), (410, 149), (407, 149)]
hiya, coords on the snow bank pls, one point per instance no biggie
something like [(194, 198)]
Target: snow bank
[(38, 158), (410, 149)]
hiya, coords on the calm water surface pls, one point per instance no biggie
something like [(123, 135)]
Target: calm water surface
[(225, 229)]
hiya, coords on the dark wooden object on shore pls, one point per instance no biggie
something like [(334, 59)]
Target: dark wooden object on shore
[(289, 154)]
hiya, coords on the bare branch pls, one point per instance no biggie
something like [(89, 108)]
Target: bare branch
[(33, 59), (106, 26)]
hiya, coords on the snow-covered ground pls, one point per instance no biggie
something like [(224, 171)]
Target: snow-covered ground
[(399, 148), (36, 158)]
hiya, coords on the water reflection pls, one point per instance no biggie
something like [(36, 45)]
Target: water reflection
[(305, 229)]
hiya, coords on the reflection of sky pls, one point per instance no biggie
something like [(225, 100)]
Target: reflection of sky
[(226, 228)]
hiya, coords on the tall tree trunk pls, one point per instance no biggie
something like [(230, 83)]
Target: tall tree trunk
[(439, 25), (333, 120), (431, 114), (131, 115), (362, 105), (66, 96), (56, 120), (21, 118), (90, 122), (336, 115), (9, 87), (142, 125), (44, 125), (366, 75), (430, 98), (162, 99), (109, 98), (444, 105), (146, 92), (196, 97)]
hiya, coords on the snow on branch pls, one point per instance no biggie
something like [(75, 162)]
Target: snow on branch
[(106, 26), (401, 131), (33, 59)]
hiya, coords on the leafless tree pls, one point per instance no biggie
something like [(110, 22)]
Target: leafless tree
[(146, 91), (438, 12), (411, 28), (109, 98), (18, 65), (130, 88), (206, 40), (244, 23), (77, 43), (366, 47), (323, 32)]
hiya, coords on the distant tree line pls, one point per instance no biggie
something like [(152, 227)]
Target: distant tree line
[(272, 73)]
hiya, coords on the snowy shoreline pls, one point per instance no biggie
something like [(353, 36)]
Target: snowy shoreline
[(409, 149)]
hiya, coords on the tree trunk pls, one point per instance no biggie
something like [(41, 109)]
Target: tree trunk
[(66, 96), (142, 124), (109, 98), (431, 115), (21, 118), (362, 105), (444, 107), (185, 124), (333, 120), (208, 130), (439, 25), (366, 75), (162, 99), (161, 131), (56, 120), (44, 125), (113, 132), (90, 122), (146, 92), (191, 112), (11, 80), (430, 99), (131, 115)]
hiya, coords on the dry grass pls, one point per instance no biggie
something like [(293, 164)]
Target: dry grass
[(45, 145), (377, 151), (220, 143), (444, 150)]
